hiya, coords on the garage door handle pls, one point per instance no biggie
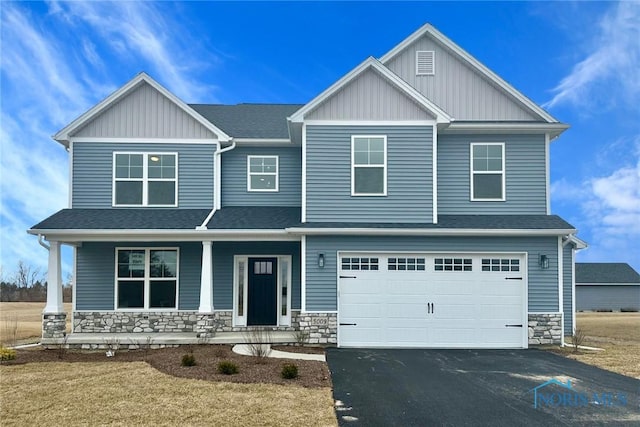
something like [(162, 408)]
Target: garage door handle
[(347, 277), (348, 324), (513, 326), (513, 278), (430, 308)]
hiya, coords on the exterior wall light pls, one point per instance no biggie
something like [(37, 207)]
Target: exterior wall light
[(543, 261), (321, 260)]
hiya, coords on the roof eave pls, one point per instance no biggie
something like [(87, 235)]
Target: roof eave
[(429, 232)]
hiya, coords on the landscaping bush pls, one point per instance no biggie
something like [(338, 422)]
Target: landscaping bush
[(188, 360), (7, 353), (227, 367), (289, 371)]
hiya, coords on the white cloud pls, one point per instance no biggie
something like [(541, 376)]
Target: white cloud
[(610, 72)]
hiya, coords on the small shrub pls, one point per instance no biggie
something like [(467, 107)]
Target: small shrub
[(577, 339), (289, 371), (227, 367), (188, 360), (7, 354)]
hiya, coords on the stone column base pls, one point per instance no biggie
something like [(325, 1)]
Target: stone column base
[(54, 325), (545, 328)]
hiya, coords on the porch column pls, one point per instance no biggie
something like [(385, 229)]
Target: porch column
[(206, 279), (54, 281)]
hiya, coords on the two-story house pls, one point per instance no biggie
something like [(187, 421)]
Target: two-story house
[(407, 205)]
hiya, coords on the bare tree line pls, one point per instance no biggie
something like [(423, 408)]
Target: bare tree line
[(28, 284)]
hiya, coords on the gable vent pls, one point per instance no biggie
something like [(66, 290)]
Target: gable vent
[(425, 62)]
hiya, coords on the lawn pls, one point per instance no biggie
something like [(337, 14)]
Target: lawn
[(134, 393), (618, 334), (21, 322)]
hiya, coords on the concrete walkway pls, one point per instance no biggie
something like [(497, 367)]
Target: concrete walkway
[(245, 350)]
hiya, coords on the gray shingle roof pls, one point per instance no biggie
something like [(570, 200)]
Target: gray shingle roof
[(486, 222), (255, 217), (606, 272), (249, 120), (119, 219)]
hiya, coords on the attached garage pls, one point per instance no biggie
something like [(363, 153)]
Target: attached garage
[(446, 300)]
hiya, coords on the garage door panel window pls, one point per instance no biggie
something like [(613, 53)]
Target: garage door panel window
[(406, 264), (453, 264), (369, 165), (500, 264), (487, 172), (360, 264)]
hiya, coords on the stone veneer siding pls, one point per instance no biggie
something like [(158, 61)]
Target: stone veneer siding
[(545, 328), (54, 325), (321, 327)]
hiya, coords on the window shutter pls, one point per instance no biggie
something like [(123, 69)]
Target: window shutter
[(425, 62)]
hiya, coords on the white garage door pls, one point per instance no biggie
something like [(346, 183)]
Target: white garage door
[(432, 300)]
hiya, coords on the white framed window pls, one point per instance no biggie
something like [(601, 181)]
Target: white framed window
[(262, 173), (146, 278), (487, 171), (369, 165), (145, 179), (425, 62)]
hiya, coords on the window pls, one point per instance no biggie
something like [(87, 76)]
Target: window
[(146, 278), (359, 263), (368, 165), (406, 264), (425, 62), (453, 264), (500, 264), (487, 172), (262, 173), (144, 179)]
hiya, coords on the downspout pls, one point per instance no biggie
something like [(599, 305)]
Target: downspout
[(42, 243), (217, 192)]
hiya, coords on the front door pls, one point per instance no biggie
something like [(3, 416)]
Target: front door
[(262, 292)]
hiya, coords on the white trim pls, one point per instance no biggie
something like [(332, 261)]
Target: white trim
[(286, 319), (303, 207), (421, 231), (462, 128), (206, 278), (146, 279), (320, 312), (303, 274), (370, 123), (261, 142), (561, 285), (276, 174), (573, 290), (375, 166), (547, 173), (433, 62), (474, 63), (238, 320), (96, 140), (63, 135), (606, 284), (70, 174), (145, 178), (73, 281), (577, 242), (472, 172), (434, 176), (440, 115)]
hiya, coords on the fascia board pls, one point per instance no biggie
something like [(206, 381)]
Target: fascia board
[(441, 115), (428, 232), (474, 63), (553, 129), (62, 136), (608, 284)]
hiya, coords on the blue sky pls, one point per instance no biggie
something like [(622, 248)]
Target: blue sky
[(581, 60)]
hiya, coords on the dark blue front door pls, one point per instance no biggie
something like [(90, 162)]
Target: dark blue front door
[(263, 286)]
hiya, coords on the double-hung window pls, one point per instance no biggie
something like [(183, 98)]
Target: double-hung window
[(487, 172), (368, 165), (262, 173), (147, 278), (145, 179)]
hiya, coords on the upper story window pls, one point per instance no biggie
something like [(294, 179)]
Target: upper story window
[(145, 179), (369, 165), (262, 173), (147, 278), (487, 172)]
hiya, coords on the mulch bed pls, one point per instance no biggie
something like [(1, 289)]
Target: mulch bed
[(168, 360)]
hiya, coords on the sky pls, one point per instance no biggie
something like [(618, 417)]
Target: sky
[(580, 60)]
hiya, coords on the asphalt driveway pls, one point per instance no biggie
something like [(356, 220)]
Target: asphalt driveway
[(477, 387)]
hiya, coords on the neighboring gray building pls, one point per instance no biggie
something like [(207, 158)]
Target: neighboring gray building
[(607, 286), (407, 205)]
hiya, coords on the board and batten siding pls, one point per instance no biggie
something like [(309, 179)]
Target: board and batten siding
[(93, 172), (567, 278), (234, 177), (456, 87), (409, 175), (144, 113), (95, 274), (223, 253), (321, 283), (525, 167), (369, 97)]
